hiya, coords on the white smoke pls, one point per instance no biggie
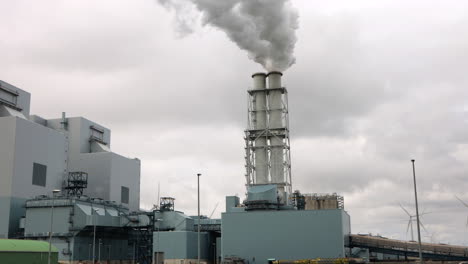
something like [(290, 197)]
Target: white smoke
[(266, 29)]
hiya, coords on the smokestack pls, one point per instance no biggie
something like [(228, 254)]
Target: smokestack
[(276, 122), (267, 136), (259, 123), (274, 79)]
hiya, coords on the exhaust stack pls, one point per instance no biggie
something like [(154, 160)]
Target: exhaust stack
[(260, 123), (267, 135)]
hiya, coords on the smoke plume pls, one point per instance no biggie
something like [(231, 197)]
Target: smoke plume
[(266, 29)]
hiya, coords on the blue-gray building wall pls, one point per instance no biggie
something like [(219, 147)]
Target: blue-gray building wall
[(111, 249), (257, 236), (181, 244)]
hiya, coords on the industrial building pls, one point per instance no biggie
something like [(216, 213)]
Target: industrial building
[(272, 222), (60, 181), (71, 154)]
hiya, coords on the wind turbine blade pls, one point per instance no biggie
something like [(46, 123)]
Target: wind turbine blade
[(467, 222), (407, 228), (405, 210), (425, 213), (216, 206), (461, 201), (423, 226)]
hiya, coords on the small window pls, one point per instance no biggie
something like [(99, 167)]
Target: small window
[(39, 174), (124, 195)]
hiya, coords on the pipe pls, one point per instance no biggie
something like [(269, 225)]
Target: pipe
[(63, 122)]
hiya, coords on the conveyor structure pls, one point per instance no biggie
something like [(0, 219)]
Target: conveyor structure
[(407, 249)]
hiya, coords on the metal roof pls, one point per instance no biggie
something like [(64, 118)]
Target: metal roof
[(16, 245)]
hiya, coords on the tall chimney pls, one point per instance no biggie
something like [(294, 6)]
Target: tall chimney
[(275, 103), (267, 135), (259, 123)]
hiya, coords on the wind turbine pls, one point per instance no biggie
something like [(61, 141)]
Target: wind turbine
[(410, 222), (212, 212), (466, 205), (432, 237)]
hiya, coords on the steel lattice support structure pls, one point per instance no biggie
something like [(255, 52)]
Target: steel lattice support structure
[(268, 159), (76, 183), (141, 238)]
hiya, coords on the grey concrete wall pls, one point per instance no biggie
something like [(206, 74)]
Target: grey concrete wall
[(108, 171), (7, 153), (79, 133), (5, 219), (23, 143), (37, 144), (288, 235), (125, 172), (98, 166)]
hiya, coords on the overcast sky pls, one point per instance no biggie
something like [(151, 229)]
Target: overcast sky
[(376, 84)]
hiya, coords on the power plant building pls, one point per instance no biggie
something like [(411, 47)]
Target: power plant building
[(96, 215), (37, 155), (60, 180)]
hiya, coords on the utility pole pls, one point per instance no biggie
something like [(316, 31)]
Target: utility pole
[(51, 225), (417, 214), (94, 233), (198, 185), (99, 251)]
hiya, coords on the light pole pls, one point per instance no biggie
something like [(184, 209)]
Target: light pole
[(198, 189), (89, 251), (157, 242), (417, 213), (94, 232), (99, 251), (134, 252), (51, 224)]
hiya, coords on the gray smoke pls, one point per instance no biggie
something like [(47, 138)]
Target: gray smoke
[(266, 29)]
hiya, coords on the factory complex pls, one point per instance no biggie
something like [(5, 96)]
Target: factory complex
[(61, 182)]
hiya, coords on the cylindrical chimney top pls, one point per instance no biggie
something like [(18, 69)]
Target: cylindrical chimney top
[(259, 80), (274, 79), (259, 73), (275, 72)]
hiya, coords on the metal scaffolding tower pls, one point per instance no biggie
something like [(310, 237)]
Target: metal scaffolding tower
[(76, 183), (267, 157)]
